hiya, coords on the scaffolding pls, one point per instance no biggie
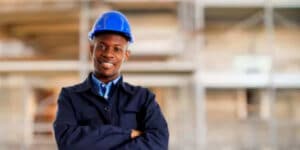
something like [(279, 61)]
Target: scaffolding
[(178, 69)]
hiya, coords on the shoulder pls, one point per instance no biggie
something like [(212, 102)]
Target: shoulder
[(68, 94), (67, 91), (72, 87), (140, 94), (136, 89), (78, 87), (140, 97)]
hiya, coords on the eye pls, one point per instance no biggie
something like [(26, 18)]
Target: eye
[(117, 49), (101, 47)]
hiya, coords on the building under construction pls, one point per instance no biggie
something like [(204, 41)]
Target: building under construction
[(225, 72)]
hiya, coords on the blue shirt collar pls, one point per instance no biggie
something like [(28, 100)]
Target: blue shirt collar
[(87, 84), (99, 85), (98, 82)]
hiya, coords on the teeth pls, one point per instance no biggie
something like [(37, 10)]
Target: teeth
[(107, 65)]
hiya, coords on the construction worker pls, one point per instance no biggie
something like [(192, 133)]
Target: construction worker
[(104, 112)]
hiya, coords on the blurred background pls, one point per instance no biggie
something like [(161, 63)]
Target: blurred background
[(226, 72)]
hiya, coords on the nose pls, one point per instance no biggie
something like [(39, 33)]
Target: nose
[(108, 53)]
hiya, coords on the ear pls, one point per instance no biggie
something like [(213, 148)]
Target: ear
[(127, 54)]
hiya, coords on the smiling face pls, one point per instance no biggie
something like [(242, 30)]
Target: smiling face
[(108, 52)]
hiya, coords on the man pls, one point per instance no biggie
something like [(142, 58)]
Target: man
[(104, 112)]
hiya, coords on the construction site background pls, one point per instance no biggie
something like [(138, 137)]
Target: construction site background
[(225, 72)]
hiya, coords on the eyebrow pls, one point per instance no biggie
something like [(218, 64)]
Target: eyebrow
[(101, 42)]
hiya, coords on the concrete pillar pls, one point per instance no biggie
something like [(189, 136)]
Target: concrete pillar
[(242, 111), (29, 113), (265, 105), (187, 117), (83, 39)]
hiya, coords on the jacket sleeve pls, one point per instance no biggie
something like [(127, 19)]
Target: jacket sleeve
[(71, 136), (155, 133)]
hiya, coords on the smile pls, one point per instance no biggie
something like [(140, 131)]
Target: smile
[(105, 64)]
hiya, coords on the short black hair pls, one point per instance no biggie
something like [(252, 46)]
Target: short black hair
[(112, 32)]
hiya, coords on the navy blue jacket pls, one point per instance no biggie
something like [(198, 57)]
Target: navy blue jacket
[(85, 120)]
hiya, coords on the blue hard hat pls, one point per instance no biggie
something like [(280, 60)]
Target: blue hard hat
[(112, 21)]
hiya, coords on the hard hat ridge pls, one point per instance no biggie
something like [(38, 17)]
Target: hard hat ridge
[(112, 21)]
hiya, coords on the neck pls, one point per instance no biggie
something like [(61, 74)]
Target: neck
[(105, 79)]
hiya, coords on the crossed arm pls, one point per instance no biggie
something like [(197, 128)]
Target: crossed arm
[(71, 136)]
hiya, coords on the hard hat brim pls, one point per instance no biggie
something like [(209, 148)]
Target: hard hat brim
[(97, 32)]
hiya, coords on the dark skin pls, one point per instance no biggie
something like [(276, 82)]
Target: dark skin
[(108, 52)]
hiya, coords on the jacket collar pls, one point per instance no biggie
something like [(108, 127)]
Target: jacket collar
[(87, 85)]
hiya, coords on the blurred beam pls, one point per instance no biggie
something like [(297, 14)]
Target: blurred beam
[(242, 104), (233, 80), (84, 23), (159, 67), (144, 67), (198, 24), (207, 79), (31, 66), (251, 3), (61, 28), (271, 91), (34, 5), (29, 110), (265, 110), (43, 16), (47, 41), (156, 80), (143, 4)]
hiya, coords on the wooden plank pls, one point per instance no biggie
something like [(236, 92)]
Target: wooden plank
[(144, 67), (143, 4), (45, 29), (39, 17)]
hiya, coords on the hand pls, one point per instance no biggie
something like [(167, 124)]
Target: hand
[(135, 133)]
